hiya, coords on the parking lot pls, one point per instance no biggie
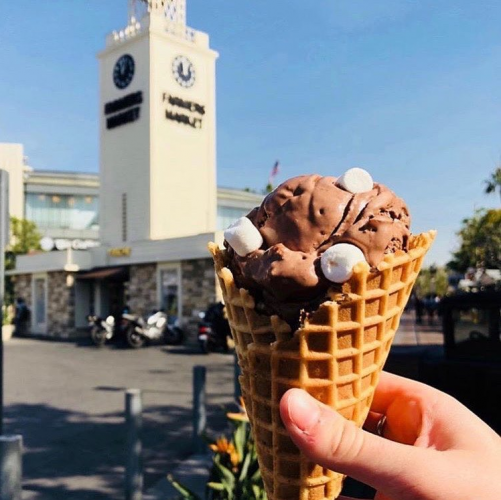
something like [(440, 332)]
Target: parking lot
[(67, 401)]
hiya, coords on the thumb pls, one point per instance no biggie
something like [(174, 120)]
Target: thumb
[(330, 440)]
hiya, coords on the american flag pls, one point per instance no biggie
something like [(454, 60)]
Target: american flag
[(274, 172)]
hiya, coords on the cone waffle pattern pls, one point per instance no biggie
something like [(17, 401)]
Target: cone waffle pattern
[(336, 355)]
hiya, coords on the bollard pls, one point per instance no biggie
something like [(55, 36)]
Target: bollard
[(199, 410), (134, 461), (238, 389), (10, 467)]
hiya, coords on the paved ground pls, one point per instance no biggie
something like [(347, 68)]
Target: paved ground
[(67, 401), (411, 334)]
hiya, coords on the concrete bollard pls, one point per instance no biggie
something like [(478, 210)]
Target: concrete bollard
[(199, 410), (10, 467), (134, 452)]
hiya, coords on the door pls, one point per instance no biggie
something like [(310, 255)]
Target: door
[(169, 288), (39, 314)]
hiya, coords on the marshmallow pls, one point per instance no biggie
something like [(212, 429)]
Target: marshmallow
[(356, 180), (243, 237), (338, 261)]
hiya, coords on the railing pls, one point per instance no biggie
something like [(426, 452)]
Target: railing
[(134, 28)]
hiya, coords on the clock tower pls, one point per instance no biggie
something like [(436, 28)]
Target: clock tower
[(157, 127)]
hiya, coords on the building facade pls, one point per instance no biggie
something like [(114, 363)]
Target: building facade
[(156, 196)]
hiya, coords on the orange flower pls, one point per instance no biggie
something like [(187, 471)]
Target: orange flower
[(224, 447), (242, 416), (221, 446), (234, 459)]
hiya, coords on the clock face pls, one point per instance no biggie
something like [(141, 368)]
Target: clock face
[(123, 72), (183, 71)]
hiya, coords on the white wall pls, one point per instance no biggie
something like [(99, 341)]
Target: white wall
[(12, 160), (125, 150), (167, 169), (183, 159)]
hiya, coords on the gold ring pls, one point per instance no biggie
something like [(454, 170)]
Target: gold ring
[(380, 426)]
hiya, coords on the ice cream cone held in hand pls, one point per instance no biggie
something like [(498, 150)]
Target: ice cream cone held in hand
[(315, 281)]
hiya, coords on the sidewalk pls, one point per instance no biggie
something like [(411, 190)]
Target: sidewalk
[(192, 473), (411, 334)]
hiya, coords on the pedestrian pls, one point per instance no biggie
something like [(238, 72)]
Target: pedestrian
[(21, 317), (418, 305)]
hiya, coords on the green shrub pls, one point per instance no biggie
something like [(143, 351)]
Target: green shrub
[(235, 473)]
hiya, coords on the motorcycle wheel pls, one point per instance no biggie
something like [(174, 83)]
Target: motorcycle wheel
[(134, 340), (204, 346), (173, 336), (98, 336)]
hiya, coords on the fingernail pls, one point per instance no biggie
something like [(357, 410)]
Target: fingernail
[(303, 410)]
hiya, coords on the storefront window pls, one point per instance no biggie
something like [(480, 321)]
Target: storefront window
[(169, 292), (228, 215), (58, 211)]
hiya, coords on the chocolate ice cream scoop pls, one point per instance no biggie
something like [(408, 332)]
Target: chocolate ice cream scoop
[(299, 221)]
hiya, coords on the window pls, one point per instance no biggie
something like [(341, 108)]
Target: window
[(60, 211), (228, 215)]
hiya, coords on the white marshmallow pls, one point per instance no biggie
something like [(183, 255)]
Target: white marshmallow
[(356, 180), (338, 261), (243, 237)]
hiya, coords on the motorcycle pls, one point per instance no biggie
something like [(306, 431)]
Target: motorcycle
[(139, 330), (101, 330), (213, 329)]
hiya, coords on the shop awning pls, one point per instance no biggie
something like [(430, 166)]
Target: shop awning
[(101, 274)]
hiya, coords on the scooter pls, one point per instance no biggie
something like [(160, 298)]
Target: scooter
[(213, 329), (139, 330), (101, 330)]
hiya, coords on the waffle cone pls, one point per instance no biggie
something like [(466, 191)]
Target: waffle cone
[(336, 355)]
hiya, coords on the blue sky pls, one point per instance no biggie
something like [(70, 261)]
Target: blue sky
[(409, 90)]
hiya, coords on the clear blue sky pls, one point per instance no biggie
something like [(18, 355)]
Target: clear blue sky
[(409, 90)]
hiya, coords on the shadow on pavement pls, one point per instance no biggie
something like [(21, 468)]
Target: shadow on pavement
[(71, 455)]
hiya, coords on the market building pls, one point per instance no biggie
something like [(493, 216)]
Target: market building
[(155, 205)]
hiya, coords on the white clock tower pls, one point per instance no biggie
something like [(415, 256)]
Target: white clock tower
[(157, 131)]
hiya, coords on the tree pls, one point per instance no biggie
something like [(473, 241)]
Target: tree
[(480, 237), (493, 184), (432, 280), (24, 238)]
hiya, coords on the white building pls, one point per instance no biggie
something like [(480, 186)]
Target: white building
[(158, 201)]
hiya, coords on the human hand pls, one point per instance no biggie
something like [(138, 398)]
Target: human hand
[(433, 447)]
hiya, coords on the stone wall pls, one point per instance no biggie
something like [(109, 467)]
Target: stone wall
[(60, 306), (22, 288), (198, 285), (142, 289), (60, 302)]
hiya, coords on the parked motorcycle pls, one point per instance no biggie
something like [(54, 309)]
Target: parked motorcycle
[(101, 330), (213, 329), (139, 330)]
